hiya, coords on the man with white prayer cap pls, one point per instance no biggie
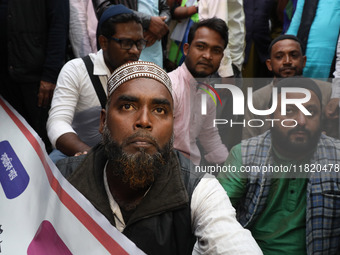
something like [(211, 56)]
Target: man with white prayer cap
[(145, 188)]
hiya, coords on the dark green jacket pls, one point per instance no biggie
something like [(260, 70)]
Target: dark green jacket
[(161, 223)]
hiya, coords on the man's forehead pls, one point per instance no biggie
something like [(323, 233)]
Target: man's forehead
[(286, 44), (122, 25), (204, 34)]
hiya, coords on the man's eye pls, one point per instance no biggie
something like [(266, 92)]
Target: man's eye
[(289, 111), (160, 110), (200, 47), (217, 51), (312, 111), (127, 107), (278, 57)]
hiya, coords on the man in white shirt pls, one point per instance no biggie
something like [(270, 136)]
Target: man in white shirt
[(147, 190), (74, 116), (231, 11)]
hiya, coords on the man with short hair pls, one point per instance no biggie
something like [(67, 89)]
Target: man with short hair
[(287, 59), (155, 16), (288, 214), (74, 116), (147, 190), (207, 40)]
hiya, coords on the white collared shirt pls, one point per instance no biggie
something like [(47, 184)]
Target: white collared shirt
[(75, 105)]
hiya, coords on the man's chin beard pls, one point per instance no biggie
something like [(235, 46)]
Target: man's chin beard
[(279, 76), (283, 142), (139, 169)]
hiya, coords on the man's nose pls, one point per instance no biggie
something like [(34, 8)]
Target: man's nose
[(134, 49), (287, 59), (143, 119), (207, 54), (301, 119)]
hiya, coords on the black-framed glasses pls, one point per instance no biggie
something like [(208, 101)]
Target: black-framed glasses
[(127, 44)]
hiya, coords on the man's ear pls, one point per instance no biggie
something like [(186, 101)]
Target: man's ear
[(269, 64), (186, 49), (103, 42), (102, 120)]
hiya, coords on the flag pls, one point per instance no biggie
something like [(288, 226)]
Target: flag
[(40, 211)]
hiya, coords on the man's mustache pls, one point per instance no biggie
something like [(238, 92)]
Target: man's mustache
[(299, 129), (288, 68), (144, 135)]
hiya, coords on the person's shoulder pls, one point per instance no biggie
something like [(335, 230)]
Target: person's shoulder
[(265, 89), (324, 86), (72, 166), (187, 165), (321, 82), (174, 75), (177, 80), (256, 141), (236, 149), (74, 65), (68, 165), (261, 96), (190, 176), (330, 141)]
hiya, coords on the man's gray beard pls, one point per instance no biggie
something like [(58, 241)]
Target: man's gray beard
[(138, 169)]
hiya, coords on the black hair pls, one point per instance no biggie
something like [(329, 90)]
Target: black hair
[(215, 24), (108, 28), (285, 37)]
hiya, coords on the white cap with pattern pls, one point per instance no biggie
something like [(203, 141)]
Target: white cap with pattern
[(137, 69)]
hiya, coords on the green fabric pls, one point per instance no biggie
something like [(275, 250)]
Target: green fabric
[(175, 54), (281, 227), (290, 9), (194, 17)]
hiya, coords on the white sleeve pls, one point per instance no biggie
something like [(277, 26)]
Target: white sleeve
[(64, 102), (236, 25), (209, 9), (214, 222), (232, 13), (336, 79)]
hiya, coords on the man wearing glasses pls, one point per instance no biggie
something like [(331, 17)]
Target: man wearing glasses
[(73, 121)]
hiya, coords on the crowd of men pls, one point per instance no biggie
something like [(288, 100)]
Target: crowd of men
[(137, 133)]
